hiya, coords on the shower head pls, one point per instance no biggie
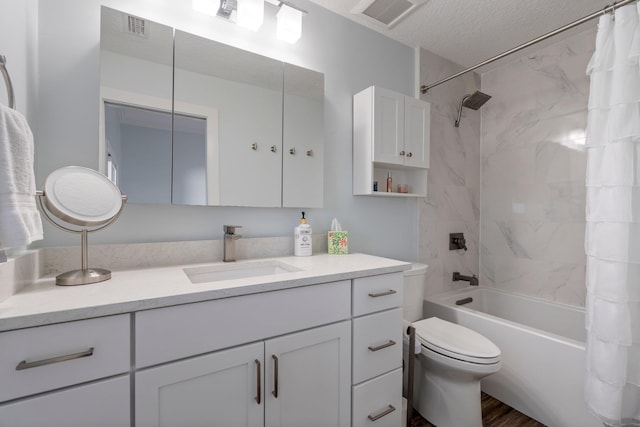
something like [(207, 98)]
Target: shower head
[(473, 101)]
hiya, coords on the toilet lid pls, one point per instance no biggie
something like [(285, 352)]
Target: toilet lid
[(456, 341)]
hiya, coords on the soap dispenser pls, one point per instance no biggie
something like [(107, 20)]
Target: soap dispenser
[(302, 238)]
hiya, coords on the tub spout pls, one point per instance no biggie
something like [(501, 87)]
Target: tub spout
[(473, 280)]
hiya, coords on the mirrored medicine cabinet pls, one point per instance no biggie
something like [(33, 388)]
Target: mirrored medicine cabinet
[(185, 120)]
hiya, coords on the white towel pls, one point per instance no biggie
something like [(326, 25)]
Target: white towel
[(20, 222)]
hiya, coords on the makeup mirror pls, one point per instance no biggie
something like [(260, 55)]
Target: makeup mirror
[(85, 198)]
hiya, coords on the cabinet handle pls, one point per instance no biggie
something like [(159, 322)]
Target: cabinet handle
[(274, 149), (387, 411), (27, 365), (380, 347), (402, 153), (383, 294), (254, 146), (275, 376), (310, 153), (259, 376), (409, 154), (292, 151)]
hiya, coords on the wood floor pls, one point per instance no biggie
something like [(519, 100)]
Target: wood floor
[(494, 414)]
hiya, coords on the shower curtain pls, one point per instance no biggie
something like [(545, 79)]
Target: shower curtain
[(612, 238)]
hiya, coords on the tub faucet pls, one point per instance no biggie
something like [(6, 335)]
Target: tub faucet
[(230, 238), (473, 280)]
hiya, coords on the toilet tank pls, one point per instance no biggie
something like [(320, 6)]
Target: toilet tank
[(413, 292)]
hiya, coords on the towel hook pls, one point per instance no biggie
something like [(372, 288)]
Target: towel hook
[(7, 81)]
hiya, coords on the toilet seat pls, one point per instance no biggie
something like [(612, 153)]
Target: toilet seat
[(456, 341)]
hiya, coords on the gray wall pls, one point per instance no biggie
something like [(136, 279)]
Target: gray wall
[(350, 56)]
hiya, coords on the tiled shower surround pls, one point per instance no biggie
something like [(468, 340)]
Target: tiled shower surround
[(452, 204), (533, 173), (511, 177)]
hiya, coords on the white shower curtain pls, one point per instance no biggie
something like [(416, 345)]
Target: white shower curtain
[(612, 244)]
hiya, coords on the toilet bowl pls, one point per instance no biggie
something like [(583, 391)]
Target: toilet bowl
[(452, 361)]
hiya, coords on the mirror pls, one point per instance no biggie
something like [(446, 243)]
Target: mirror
[(246, 130)]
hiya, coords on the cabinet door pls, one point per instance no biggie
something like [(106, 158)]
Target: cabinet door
[(303, 138), (222, 389), (388, 123), (100, 404), (416, 132), (308, 378)]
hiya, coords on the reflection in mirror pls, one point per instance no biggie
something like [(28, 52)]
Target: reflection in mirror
[(246, 91), (136, 69), (151, 167), (303, 136)]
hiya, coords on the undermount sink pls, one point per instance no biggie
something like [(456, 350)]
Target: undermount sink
[(214, 273)]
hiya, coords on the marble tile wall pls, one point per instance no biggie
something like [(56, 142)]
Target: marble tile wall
[(453, 201), (532, 172)]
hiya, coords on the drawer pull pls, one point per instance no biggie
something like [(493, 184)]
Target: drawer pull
[(383, 294), (387, 411), (26, 365), (259, 376), (380, 347), (275, 376)]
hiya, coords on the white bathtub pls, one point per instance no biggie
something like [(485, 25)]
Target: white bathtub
[(542, 346)]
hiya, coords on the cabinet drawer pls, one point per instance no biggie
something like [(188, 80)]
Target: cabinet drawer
[(101, 404), (377, 344), (171, 333), (378, 402), (377, 293), (48, 357)]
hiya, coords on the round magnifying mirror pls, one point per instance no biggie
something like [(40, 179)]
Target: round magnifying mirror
[(86, 198), (81, 196)]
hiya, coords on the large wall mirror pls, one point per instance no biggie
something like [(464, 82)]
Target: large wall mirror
[(188, 120)]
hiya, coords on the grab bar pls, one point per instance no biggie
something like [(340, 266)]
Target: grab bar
[(7, 81)]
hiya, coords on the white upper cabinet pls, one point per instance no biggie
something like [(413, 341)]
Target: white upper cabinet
[(390, 135), (417, 120)]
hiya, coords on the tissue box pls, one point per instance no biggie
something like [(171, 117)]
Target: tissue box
[(338, 242)]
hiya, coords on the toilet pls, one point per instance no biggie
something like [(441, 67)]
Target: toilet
[(451, 360)]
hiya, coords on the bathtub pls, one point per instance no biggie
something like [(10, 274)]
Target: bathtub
[(543, 350)]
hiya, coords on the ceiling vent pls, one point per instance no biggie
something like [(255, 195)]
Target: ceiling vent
[(386, 12), (136, 26)]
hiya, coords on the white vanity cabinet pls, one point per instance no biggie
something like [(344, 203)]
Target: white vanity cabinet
[(71, 374), (302, 378), (377, 351), (390, 135)]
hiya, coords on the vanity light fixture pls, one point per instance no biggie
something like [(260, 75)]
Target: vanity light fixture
[(250, 14), (289, 27)]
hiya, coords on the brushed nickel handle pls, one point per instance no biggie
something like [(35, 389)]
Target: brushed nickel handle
[(380, 347), (402, 153), (387, 411), (275, 376), (292, 151), (254, 146), (259, 376), (274, 149), (310, 153), (409, 154), (27, 365), (383, 294)]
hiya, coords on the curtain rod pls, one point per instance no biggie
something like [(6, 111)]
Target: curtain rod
[(425, 88)]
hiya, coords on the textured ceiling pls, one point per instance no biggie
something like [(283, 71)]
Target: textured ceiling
[(469, 31)]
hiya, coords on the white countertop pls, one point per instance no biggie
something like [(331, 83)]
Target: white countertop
[(43, 302)]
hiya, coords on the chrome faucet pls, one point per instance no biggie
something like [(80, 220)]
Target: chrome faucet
[(230, 238), (473, 280)]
